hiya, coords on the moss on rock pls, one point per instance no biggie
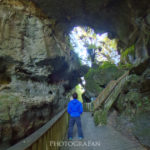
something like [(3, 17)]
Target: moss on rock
[(97, 78), (129, 52), (100, 117)]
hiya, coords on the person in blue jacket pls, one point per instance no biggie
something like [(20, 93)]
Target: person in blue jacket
[(75, 109)]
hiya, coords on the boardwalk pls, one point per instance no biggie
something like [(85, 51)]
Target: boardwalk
[(108, 138)]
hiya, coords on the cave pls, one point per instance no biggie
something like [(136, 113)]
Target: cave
[(124, 20), (37, 66)]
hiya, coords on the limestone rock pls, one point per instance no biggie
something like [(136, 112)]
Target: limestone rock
[(128, 20), (37, 69)]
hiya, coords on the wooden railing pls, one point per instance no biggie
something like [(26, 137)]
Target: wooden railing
[(115, 92), (54, 130), (110, 93), (88, 107), (106, 99)]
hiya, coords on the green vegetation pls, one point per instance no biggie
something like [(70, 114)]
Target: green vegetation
[(128, 52), (100, 117), (126, 66), (97, 78), (96, 118), (125, 61), (131, 101), (107, 64)]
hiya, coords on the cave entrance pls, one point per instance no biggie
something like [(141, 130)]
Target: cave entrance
[(93, 50)]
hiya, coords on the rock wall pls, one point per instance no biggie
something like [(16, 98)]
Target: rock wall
[(127, 106), (127, 20), (132, 106), (37, 69)]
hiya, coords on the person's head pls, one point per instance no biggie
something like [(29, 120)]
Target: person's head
[(75, 95)]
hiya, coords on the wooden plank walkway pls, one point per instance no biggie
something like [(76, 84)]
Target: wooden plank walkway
[(108, 138)]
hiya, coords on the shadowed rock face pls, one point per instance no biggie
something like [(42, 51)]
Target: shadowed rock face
[(37, 69)]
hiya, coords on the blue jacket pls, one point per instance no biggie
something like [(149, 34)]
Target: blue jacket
[(75, 108)]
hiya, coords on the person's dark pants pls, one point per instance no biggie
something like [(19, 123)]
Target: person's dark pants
[(72, 121)]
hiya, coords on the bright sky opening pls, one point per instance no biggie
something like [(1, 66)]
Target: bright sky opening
[(79, 45)]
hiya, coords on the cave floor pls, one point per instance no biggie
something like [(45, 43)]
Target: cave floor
[(99, 138)]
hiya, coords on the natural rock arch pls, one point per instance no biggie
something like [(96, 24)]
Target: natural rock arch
[(126, 20), (32, 42)]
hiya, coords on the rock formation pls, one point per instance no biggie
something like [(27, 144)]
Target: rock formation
[(127, 20), (133, 104), (37, 69)]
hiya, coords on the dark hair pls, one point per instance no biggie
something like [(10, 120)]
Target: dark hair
[(75, 95)]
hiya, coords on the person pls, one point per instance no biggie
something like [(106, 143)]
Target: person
[(75, 109)]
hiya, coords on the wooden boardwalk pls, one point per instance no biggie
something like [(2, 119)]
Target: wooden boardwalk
[(108, 138)]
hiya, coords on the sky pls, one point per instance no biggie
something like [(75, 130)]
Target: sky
[(78, 44)]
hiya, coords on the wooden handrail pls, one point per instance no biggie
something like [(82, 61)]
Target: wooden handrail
[(40, 139), (88, 107), (104, 95), (112, 85), (115, 92)]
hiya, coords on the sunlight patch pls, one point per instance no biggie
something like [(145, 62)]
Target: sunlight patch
[(92, 47)]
